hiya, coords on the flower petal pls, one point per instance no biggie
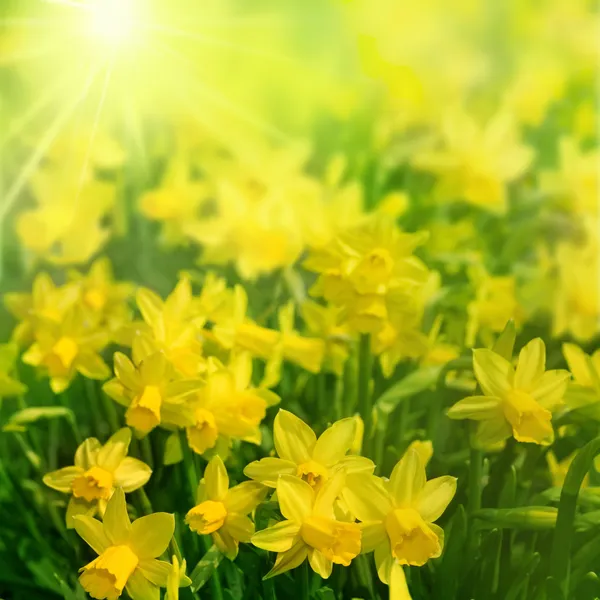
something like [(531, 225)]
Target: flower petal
[(92, 532), (126, 372), (139, 588), (243, 498), (216, 480), (295, 497), (156, 571), (491, 433), (367, 497), (329, 493), (407, 478), (578, 365), (357, 464), (435, 497), (109, 457), (150, 535), (291, 559), (92, 366), (79, 506), (240, 527), (62, 479), (320, 565), (532, 361), (550, 389), (384, 561), (294, 439), (277, 538), (334, 443), (398, 585), (373, 534), (85, 455), (478, 408), (117, 525), (494, 373), (267, 470), (132, 474)]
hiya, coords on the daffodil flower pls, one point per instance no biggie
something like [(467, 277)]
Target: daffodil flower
[(176, 578), (150, 393), (515, 402), (127, 553), (222, 511), (9, 384), (63, 349), (304, 456), (397, 516), (310, 529), (98, 471)]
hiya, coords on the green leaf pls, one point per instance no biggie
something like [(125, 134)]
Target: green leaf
[(553, 591), (509, 491), (588, 588), (447, 582), (523, 577), (505, 343), (532, 518), (205, 568), (33, 414), (324, 593), (418, 381)]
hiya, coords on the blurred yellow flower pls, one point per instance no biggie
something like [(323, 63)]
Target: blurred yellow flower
[(98, 471), (221, 511), (9, 383)]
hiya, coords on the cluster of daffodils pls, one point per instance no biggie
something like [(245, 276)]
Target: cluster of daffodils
[(64, 328)]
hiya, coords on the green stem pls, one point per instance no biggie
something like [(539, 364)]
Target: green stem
[(365, 366), (189, 467), (302, 576), (145, 501), (64, 400), (338, 398), (146, 448), (111, 412), (474, 497), (215, 579)]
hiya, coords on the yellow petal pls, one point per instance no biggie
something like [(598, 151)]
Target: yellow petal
[(320, 565), (85, 455), (278, 538), (62, 479), (131, 474), (151, 535), (216, 480), (578, 365), (494, 373), (140, 588), (435, 497), (491, 433), (79, 506), (240, 527), (335, 442), (294, 439), (109, 457), (328, 494), (244, 498), (150, 305), (373, 535), (367, 498), (117, 525), (357, 464), (91, 365), (156, 571), (291, 559), (225, 543), (267, 470), (398, 586), (550, 388), (384, 561), (126, 372), (407, 478), (532, 361), (92, 532), (478, 408), (295, 497)]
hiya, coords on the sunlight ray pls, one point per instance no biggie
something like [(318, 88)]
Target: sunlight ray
[(44, 143)]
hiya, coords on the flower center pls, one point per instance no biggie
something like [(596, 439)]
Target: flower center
[(312, 472), (336, 540), (106, 576), (412, 541), (207, 517), (96, 483), (373, 272), (203, 435), (144, 412), (66, 349), (530, 422)]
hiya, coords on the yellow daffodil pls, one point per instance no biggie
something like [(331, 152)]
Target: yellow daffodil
[(98, 471), (310, 529), (302, 455), (9, 384), (176, 578), (172, 328), (476, 163), (558, 469), (62, 349), (517, 402), (151, 393), (127, 553), (222, 511), (370, 273), (47, 302), (584, 391), (398, 517), (227, 406)]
